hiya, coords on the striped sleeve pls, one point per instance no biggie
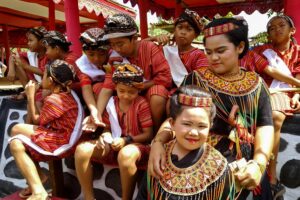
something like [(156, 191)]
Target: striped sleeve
[(144, 114)]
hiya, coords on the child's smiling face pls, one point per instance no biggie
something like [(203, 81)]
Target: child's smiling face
[(191, 128)]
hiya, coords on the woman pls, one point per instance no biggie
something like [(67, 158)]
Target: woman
[(234, 91)]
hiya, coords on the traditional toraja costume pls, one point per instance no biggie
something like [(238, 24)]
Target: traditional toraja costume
[(130, 122), (183, 63), (201, 174), (92, 74), (246, 90), (60, 124), (289, 64), (150, 58)]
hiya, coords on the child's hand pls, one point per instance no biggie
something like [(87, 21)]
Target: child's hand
[(118, 143), (162, 39), (100, 144), (18, 60), (31, 88), (295, 104), (88, 124)]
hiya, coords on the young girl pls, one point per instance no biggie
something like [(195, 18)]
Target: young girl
[(57, 47), (91, 65), (248, 135), (30, 65), (194, 169), (124, 140), (121, 32), (54, 128), (283, 54)]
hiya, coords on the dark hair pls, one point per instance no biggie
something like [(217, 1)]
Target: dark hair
[(38, 32), (62, 73), (186, 18), (176, 108), (53, 43), (235, 36)]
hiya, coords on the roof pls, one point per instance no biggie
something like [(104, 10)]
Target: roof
[(19, 15), (166, 8)]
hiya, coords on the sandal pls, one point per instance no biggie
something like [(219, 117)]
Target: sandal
[(277, 191)]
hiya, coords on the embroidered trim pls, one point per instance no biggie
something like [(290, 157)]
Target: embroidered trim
[(196, 178)]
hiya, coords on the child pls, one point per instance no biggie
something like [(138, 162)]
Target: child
[(184, 58), (194, 169), (53, 126), (30, 65), (283, 54), (250, 134), (121, 32), (57, 47), (124, 140), (91, 65)]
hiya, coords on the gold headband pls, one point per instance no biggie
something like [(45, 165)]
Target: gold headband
[(194, 101), (218, 30)]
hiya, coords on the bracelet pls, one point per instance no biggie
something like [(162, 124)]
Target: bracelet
[(262, 167), (128, 139)]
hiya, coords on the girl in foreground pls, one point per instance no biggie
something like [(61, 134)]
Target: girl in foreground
[(198, 170)]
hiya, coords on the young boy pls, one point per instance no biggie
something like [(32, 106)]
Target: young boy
[(121, 32), (124, 140)]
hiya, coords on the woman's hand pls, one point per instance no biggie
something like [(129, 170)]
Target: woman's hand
[(250, 176), (118, 143), (157, 159)]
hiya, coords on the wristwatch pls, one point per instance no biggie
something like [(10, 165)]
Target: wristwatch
[(128, 139)]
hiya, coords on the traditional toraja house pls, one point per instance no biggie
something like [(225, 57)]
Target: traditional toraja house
[(70, 16)]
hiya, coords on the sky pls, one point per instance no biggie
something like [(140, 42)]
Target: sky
[(256, 21)]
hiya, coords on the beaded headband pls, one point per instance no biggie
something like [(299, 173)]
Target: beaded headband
[(218, 30), (194, 101)]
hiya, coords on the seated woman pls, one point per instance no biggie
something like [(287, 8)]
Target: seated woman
[(250, 133), (125, 137), (53, 127), (194, 169)]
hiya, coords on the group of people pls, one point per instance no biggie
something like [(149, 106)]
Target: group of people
[(202, 125)]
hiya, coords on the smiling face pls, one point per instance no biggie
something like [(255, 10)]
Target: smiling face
[(184, 34), (191, 127), (280, 31), (222, 55)]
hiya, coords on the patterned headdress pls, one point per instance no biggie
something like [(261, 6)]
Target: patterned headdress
[(235, 22), (193, 19), (56, 37), (62, 72), (283, 16), (39, 32), (93, 39), (128, 74), (119, 25), (194, 101), (219, 30)]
